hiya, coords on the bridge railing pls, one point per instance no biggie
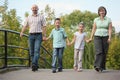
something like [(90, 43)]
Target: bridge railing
[(14, 51)]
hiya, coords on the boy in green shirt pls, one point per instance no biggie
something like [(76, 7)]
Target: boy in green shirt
[(59, 36)]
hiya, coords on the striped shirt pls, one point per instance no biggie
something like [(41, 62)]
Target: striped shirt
[(35, 23)]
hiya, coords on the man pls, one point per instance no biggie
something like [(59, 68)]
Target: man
[(36, 24)]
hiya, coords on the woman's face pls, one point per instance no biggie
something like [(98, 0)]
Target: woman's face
[(102, 12)]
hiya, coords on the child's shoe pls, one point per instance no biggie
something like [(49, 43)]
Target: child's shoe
[(75, 68)]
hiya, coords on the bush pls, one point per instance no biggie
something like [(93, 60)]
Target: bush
[(113, 57)]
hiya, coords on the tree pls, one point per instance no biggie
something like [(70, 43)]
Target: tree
[(49, 14), (11, 20)]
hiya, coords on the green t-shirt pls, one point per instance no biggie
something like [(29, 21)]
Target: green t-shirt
[(102, 26), (58, 37)]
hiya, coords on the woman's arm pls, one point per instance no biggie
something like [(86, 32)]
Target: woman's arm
[(93, 32), (110, 31)]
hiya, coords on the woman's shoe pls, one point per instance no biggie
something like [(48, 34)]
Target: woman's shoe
[(97, 69)]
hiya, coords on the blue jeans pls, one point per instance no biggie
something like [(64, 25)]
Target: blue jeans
[(34, 47), (57, 54)]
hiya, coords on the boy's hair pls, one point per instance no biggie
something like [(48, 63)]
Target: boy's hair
[(57, 19), (81, 23)]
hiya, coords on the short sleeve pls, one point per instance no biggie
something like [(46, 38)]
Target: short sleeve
[(75, 34), (25, 23), (109, 20), (43, 21), (95, 20), (64, 34), (85, 34)]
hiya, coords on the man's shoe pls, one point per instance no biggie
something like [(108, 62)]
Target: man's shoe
[(34, 68)]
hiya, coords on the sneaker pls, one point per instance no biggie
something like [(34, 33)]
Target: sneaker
[(75, 68), (53, 71), (79, 70), (59, 70)]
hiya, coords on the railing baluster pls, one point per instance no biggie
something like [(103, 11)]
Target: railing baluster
[(5, 44)]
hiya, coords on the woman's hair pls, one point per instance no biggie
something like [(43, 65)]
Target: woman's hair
[(102, 7)]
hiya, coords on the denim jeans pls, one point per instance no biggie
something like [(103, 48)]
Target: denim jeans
[(57, 54), (34, 47), (101, 49)]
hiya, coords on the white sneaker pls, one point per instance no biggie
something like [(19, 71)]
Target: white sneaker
[(79, 70), (75, 68)]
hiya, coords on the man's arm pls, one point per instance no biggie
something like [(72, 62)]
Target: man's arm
[(44, 32), (23, 30)]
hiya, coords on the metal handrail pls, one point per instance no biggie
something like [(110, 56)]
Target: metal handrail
[(6, 46)]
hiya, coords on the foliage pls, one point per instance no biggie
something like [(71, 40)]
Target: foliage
[(73, 19), (113, 60), (10, 20)]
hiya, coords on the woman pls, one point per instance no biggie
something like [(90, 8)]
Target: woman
[(102, 29)]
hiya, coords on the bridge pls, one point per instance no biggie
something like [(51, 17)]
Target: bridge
[(22, 71), (67, 74)]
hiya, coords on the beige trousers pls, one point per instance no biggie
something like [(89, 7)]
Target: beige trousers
[(78, 54)]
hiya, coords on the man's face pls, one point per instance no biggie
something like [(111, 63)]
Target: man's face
[(34, 9)]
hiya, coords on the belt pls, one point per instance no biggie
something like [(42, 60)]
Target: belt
[(35, 33)]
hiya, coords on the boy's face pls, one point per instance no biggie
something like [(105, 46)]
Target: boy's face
[(57, 23)]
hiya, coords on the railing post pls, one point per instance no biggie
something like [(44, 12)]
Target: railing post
[(5, 43), (29, 59)]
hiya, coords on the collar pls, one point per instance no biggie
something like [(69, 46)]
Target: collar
[(35, 15), (57, 29), (104, 18)]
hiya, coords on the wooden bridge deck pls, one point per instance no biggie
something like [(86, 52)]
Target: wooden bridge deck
[(67, 74)]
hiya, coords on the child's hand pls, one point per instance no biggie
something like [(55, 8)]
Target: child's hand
[(44, 38), (89, 40), (68, 44)]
